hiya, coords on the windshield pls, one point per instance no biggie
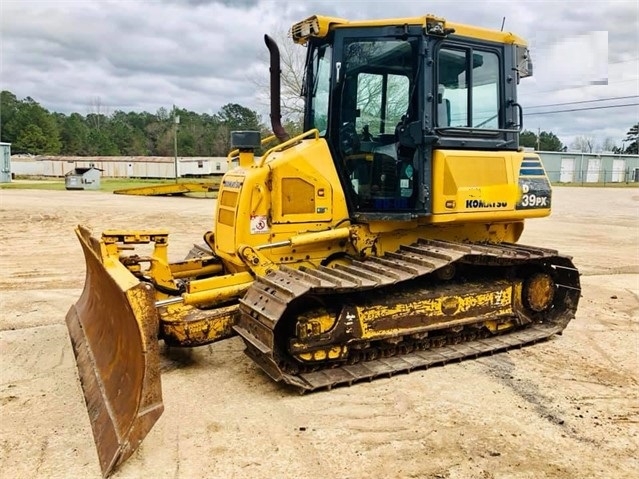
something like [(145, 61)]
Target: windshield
[(320, 87)]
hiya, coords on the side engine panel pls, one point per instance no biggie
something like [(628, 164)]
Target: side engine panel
[(489, 186)]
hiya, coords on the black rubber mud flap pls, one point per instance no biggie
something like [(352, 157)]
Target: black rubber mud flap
[(114, 333)]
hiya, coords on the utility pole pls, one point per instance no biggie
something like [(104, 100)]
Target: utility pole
[(538, 138), (176, 122)]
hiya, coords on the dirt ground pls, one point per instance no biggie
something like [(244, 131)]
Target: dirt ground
[(565, 408)]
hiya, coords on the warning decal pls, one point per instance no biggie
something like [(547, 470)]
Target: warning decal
[(259, 224)]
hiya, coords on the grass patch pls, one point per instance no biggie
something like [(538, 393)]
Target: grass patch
[(106, 184), (49, 184), (111, 184)]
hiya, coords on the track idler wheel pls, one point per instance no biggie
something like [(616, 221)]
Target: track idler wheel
[(539, 292)]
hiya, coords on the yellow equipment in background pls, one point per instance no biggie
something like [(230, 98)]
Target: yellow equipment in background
[(172, 189), (408, 183)]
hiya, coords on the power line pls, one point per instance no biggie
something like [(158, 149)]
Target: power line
[(573, 87), (580, 109), (584, 101), (484, 112)]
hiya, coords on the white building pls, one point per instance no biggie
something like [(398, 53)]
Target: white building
[(5, 162), (119, 166)]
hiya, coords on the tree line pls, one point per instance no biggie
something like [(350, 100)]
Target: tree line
[(32, 129), (548, 141)]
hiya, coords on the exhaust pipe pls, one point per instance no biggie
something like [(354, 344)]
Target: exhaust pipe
[(276, 114)]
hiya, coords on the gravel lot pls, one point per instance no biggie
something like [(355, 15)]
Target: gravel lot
[(565, 408)]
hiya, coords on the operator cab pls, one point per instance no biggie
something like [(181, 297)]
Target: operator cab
[(386, 96)]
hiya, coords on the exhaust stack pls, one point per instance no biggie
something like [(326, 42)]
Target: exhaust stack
[(276, 114)]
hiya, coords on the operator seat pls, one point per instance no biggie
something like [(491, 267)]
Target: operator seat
[(443, 107)]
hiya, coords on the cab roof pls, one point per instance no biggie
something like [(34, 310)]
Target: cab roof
[(319, 26)]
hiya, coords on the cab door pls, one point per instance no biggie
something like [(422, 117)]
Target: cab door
[(376, 97)]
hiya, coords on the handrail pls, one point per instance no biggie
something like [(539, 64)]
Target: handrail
[(291, 142), (233, 153)]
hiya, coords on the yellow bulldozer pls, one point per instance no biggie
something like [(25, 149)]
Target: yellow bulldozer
[(381, 240)]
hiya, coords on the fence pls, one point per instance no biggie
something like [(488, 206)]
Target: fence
[(611, 176)]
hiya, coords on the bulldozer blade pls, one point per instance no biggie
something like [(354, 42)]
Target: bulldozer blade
[(114, 333)]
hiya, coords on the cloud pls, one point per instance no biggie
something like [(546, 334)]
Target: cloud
[(203, 54)]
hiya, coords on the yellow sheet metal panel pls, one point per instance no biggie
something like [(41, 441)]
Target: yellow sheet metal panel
[(298, 196), (472, 181), (229, 199), (303, 186), (488, 186), (226, 217), (320, 26), (469, 171), (226, 213)]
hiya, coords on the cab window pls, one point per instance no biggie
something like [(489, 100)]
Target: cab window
[(382, 100), (378, 75), (468, 88), (320, 87)]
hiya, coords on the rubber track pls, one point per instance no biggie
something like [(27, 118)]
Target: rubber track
[(269, 296)]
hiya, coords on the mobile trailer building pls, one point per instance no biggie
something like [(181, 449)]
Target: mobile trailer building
[(562, 167), (154, 167)]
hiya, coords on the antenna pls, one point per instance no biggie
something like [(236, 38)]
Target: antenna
[(503, 21)]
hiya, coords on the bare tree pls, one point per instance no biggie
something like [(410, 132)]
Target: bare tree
[(96, 112), (292, 59), (609, 144), (585, 144)]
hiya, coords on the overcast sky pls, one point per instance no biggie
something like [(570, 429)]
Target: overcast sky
[(139, 55)]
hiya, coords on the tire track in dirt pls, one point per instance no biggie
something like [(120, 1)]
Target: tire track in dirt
[(503, 368)]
